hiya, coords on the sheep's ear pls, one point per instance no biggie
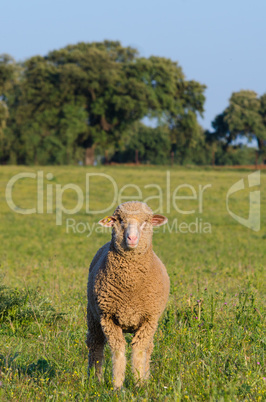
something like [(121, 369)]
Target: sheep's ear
[(107, 221), (158, 220)]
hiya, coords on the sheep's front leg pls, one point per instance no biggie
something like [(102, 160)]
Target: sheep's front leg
[(148, 359), (142, 345), (116, 340)]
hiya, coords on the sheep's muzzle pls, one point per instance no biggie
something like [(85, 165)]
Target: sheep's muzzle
[(132, 233)]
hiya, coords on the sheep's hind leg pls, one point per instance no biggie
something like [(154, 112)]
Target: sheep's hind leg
[(142, 345), (95, 342), (116, 340)]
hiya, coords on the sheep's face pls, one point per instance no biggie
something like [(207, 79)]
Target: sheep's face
[(132, 224)]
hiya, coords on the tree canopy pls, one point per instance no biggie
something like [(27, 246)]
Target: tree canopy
[(88, 95), (245, 116), (63, 107)]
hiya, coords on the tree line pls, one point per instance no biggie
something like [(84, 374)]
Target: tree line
[(86, 102)]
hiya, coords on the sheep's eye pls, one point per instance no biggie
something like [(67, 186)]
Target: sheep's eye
[(121, 222)]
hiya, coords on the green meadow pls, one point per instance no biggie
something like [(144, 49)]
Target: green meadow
[(210, 343)]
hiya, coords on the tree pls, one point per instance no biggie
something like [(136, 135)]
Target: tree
[(261, 137), (112, 96), (244, 117), (121, 88), (45, 115), (88, 95), (8, 71), (176, 102), (152, 144)]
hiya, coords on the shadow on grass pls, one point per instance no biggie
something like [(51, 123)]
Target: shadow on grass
[(42, 368)]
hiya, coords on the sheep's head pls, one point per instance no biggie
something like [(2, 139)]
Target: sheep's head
[(132, 224)]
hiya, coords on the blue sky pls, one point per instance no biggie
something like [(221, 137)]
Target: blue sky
[(219, 43)]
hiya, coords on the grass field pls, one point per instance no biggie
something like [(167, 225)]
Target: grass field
[(210, 344)]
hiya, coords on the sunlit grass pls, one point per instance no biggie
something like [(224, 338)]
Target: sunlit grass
[(210, 343)]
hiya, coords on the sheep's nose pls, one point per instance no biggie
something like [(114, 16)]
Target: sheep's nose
[(132, 238)]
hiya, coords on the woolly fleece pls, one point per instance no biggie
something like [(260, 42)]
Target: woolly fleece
[(127, 292)]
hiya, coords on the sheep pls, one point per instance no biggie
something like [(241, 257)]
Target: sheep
[(127, 291)]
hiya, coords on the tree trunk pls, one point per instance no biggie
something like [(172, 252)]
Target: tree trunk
[(89, 156), (172, 158), (136, 157), (260, 143), (213, 157), (256, 159), (106, 157), (262, 146)]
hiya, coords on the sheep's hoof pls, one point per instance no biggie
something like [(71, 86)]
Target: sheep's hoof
[(100, 378), (140, 382), (116, 389)]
